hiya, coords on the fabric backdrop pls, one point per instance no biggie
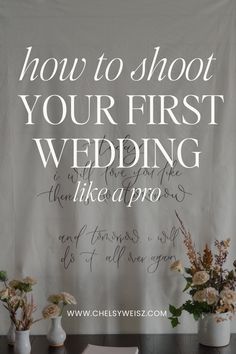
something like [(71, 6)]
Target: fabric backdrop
[(109, 255)]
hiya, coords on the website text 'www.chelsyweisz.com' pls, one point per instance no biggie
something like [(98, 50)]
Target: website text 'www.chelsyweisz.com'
[(116, 313)]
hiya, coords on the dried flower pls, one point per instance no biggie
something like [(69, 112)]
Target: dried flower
[(217, 269), (209, 295), (51, 310), (177, 266), (207, 258), (55, 298), (212, 295), (29, 280), (61, 300), (222, 247), (200, 277), (225, 308), (4, 294), (14, 283), (24, 285), (199, 296), (68, 299), (228, 296)]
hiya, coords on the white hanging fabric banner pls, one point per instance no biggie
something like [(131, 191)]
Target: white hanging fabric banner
[(114, 115)]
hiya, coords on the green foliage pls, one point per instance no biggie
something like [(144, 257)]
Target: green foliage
[(192, 292), (3, 276), (195, 308), (175, 312), (231, 275), (24, 287), (188, 271), (174, 321)]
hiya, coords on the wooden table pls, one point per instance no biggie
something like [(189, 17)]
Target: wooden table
[(147, 344)]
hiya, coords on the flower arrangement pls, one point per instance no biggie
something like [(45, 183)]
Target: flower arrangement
[(211, 286), (17, 298), (56, 305)]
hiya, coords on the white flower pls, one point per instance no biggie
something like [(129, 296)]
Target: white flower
[(51, 310), (200, 277), (177, 267), (228, 296), (199, 296), (212, 295), (68, 299)]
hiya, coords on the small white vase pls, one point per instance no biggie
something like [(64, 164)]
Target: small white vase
[(214, 330), (22, 342), (11, 335), (56, 335)]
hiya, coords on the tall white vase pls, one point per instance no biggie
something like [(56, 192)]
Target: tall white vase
[(56, 335), (22, 342), (11, 335), (214, 330)]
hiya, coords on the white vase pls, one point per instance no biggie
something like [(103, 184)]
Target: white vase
[(214, 330), (56, 335), (11, 335), (22, 342)]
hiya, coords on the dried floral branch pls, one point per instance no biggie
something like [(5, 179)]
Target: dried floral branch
[(207, 258), (222, 247), (191, 252)]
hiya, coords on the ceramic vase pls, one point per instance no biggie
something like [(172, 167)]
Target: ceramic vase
[(11, 335), (22, 342), (56, 334), (214, 330)]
